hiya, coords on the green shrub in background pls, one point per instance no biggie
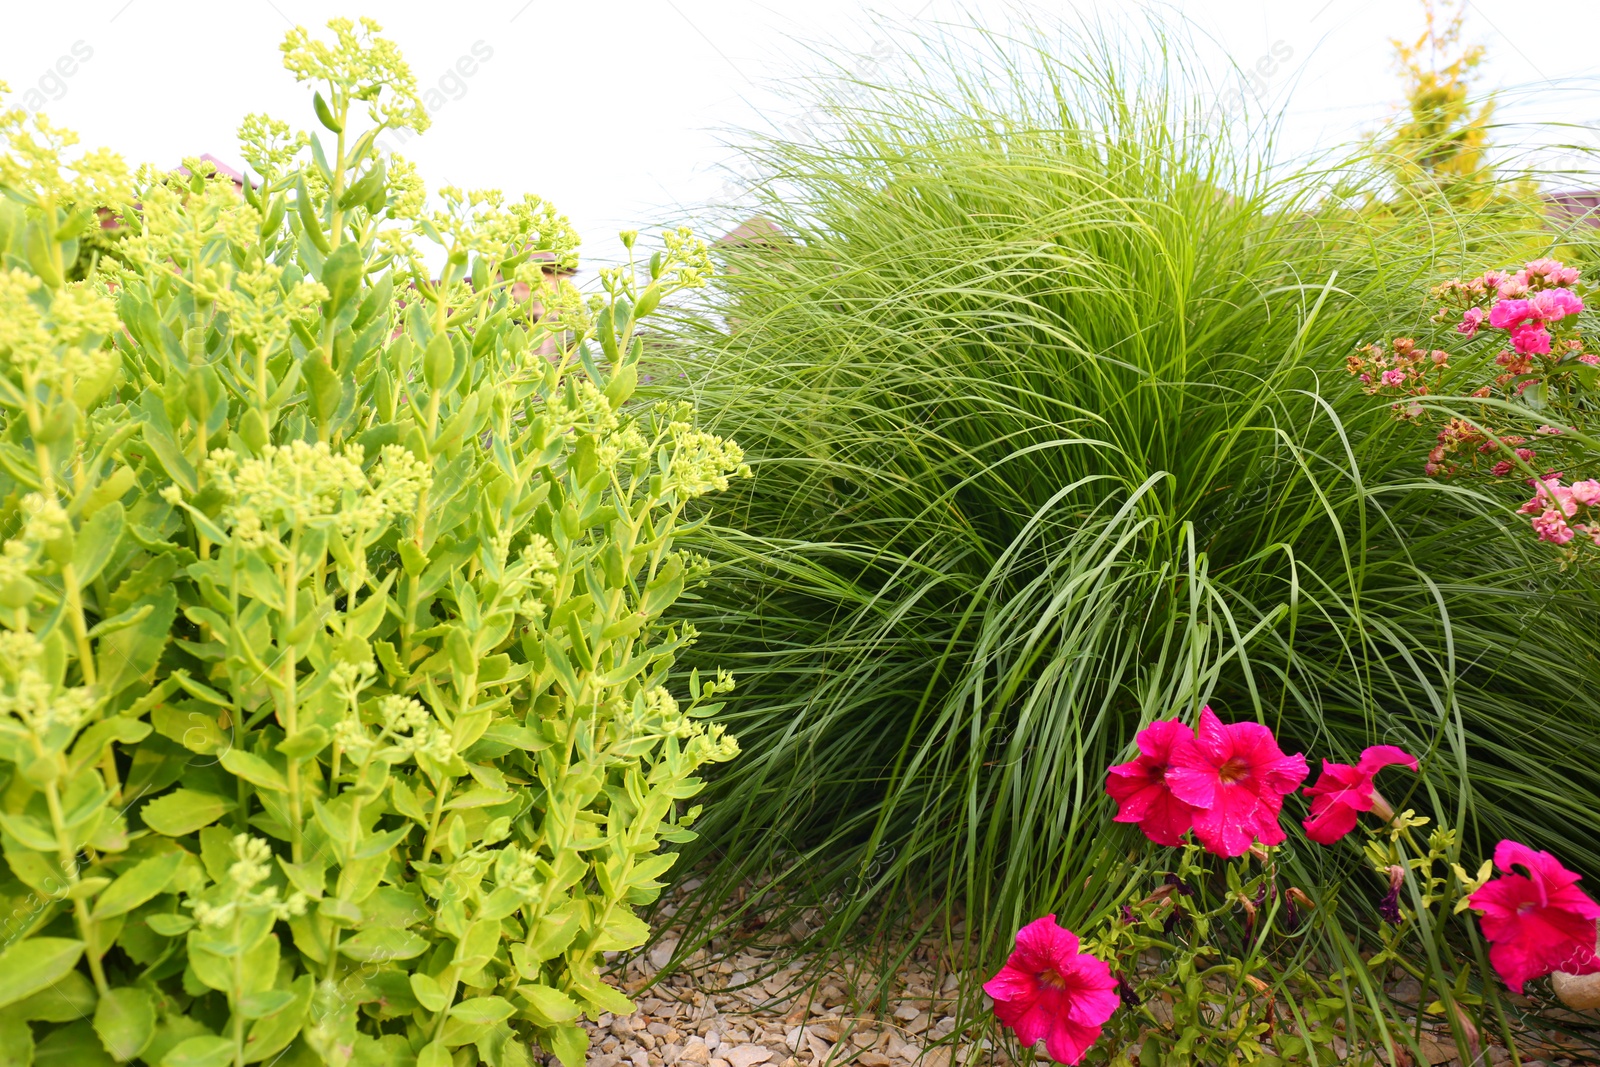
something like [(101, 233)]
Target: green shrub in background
[(333, 645)]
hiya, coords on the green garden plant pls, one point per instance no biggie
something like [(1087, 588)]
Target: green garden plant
[(334, 602)]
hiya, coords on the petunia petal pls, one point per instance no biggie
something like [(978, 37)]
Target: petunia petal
[(1379, 756)]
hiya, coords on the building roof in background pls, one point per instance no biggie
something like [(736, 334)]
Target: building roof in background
[(223, 170), (1581, 204)]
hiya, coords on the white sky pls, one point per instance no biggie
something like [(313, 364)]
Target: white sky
[(616, 109)]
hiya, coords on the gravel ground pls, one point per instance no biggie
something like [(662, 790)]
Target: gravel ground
[(747, 1007)]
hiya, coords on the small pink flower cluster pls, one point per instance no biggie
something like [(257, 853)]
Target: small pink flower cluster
[(1404, 368), (1525, 304), (1553, 504)]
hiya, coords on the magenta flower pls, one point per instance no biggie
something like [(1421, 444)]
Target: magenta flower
[(1343, 792), (1140, 786), (1553, 304), (1537, 923), (1050, 990), (1531, 338), (1236, 776), (1508, 313), (1394, 377), (1471, 319)]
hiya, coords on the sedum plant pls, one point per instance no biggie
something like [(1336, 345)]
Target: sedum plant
[(335, 642)]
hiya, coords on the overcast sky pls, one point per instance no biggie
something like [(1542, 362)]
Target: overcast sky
[(618, 110)]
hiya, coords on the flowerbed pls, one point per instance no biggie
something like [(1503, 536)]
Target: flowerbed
[(1226, 784)]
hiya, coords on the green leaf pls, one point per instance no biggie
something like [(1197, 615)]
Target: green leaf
[(570, 1043), (16, 1040), (434, 1054), (34, 964), (255, 770), (547, 1006), (74, 1045), (136, 885), (70, 999), (438, 363), (204, 1051), (602, 996), (483, 1010), (341, 275), (97, 540), (383, 943), (125, 1019), (124, 657), (303, 744), (622, 930), (264, 1003), (183, 811), (31, 831), (170, 925), (429, 993), (271, 1035), (324, 114)]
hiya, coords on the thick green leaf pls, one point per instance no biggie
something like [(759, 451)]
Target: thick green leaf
[(570, 1043), (65, 1001), (204, 1051), (138, 884), (125, 656), (255, 770), (482, 1010), (97, 540), (383, 943), (16, 1040), (183, 811), (34, 964), (73, 1045), (547, 1006), (270, 1035), (125, 1019)]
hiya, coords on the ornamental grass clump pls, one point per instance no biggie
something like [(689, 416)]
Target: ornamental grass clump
[(1037, 361), (334, 602)]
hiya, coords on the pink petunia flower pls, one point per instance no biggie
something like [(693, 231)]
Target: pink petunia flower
[(1050, 990), (1553, 304), (1508, 313), (1343, 792), (1140, 786), (1236, 776), (1536, 923), (1552, 526), (1471, 319), (1531, 338)]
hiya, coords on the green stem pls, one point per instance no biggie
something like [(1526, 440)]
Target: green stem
[(238, 994), (433, 822), (68, 859), (291, 717)]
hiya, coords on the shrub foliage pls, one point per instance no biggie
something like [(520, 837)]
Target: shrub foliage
[(333, 603)]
